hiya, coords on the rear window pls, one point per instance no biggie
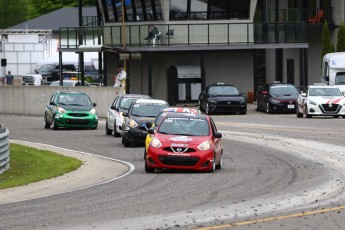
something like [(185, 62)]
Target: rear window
[(147, 109)]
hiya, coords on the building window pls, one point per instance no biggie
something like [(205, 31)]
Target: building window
[(110, 11), (198, 9), (178, 10)]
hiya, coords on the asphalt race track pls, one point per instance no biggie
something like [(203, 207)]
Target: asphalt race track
[(279, 172)]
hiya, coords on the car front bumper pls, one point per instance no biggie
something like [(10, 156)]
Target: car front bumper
[(135, 135), (326, 110), (69, 121)]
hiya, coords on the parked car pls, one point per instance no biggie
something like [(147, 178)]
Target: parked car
[(28, 79), (163, 114), (114, 117), (70, 110), (139, 119), (70, 83), (185, 141), (277, 98), (321, 100), (222, 97), (50, 72)]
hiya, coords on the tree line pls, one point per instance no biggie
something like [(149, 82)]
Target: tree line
[(13, 12)]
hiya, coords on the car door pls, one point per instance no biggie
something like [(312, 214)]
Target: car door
[(217, 141), (112, 113), (50, 108)]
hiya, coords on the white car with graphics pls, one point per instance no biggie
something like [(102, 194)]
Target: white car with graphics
[(114, 117), (321, 100)]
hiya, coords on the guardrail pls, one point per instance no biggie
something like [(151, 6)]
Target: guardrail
[(4, 149)]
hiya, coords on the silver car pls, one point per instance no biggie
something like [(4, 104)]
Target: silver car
[(114, 117)]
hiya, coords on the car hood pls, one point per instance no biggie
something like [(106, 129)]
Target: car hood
[(227, 98), (142, 120), (327, 99), (76, 108)]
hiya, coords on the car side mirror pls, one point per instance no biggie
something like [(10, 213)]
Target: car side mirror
[(151, 131), (217, 135), (94, 104), (303, 94), (113, 107), (125, 114), (51, 103)]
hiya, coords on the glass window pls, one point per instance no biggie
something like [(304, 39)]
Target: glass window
[(178, 10), (158, 8), (198, 9), (110, 10), (118, 7), (139, 10), (129, 10), (219, 9)]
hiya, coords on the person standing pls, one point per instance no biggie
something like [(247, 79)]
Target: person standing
[(120, 79), (9, 78), (37, 78)]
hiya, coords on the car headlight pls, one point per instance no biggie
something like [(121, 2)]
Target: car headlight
[(93, 111), (155, 143), (133, 123), (61, 110), (312, 102), (206, 145)]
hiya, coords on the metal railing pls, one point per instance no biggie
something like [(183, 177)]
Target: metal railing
[(4, 150), (185, 34)]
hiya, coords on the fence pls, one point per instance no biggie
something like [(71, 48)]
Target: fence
[(4, 149)]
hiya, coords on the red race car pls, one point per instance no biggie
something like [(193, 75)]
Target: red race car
[(185, 141)]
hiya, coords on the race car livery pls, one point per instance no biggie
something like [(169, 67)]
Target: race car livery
[(321, 100)]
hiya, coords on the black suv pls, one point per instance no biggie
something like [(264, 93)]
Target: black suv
[(277, 97), (50, 72), (222, 97)]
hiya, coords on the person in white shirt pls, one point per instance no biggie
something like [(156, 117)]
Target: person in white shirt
[(37, 78), (120, 79)]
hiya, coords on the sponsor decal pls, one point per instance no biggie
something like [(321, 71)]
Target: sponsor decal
[(181, 138), (176, 145)]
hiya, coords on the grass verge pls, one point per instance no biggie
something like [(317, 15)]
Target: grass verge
[(29, 165)]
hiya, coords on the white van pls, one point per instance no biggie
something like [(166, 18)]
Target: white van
[(333, 70)]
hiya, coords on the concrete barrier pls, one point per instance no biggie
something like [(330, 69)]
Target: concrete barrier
[(32, 100), (4, 149)]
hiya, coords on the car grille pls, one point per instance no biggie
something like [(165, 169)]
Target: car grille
[(179, 150), (28, 79), (229, 103), (330, 108), (77, 114), (77, 122), (178, 160)]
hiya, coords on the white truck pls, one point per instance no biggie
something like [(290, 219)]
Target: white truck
[(333, 70)]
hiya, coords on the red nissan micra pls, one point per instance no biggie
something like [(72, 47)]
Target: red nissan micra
[(185, 141)]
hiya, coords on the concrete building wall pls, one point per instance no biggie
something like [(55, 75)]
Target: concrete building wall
[(338, 11)]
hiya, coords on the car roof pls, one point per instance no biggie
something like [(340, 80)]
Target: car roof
[(70, 92), (136, 95), (181, 110), (150, 101), (221, 84), (323, 86)]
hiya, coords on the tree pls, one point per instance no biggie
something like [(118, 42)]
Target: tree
[(12, 13), (327, 44), (341, 38)]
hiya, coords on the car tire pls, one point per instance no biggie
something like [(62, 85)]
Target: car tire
[(199, 105), (107, 130), (116, 134), (213, 168), (299, 115), (307, 115), (145, 153), (336, 116), (46, 123), (55, 127), (220, 163), (268, 108), (125, 142), (148, 169), (243, 112)]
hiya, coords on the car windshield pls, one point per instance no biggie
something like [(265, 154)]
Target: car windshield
[(74, 99), (283, 90), (46, 68), (223, 90), (188, 126), (324, 92), (340, 79), (126, 102), (147, 110)]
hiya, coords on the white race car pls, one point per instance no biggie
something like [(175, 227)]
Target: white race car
[(321, 100), (114, 118)]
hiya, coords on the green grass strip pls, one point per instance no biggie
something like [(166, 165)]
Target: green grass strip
[(29, 165)]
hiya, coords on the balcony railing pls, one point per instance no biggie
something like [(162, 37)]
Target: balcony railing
[(185, 34)]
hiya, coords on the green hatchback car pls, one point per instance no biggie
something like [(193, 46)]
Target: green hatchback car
[(70, 110)]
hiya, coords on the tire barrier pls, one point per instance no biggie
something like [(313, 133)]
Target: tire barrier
[(4, 149)]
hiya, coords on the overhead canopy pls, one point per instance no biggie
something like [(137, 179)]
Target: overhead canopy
[(70, 58)]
